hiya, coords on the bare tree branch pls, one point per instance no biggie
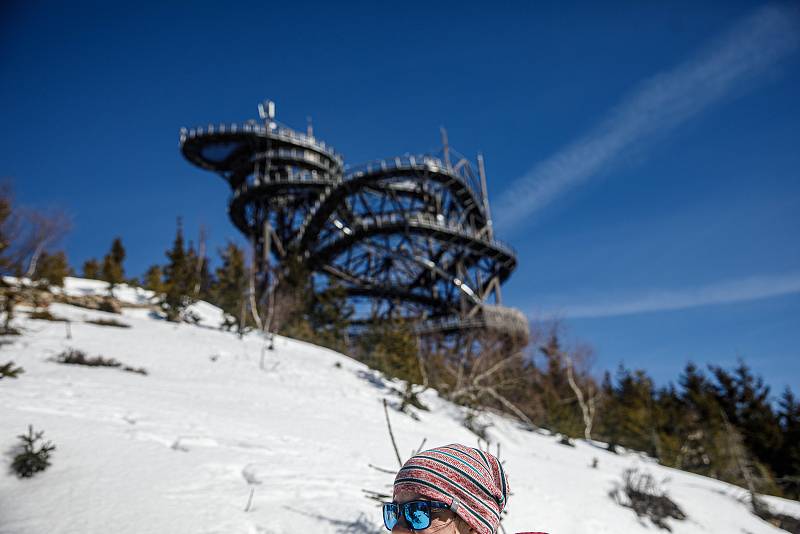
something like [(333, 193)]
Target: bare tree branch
[(587, 407), (495, 368), (391, 434), (35, 232), (252, 287), (508, 404), (382, 469)]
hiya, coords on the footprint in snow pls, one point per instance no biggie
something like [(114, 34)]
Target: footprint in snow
[(185, 443)]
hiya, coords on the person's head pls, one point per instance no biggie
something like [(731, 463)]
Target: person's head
[(448, 490)]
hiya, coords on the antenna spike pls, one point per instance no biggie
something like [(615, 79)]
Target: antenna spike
[(485, 195), (266, 110), (445, 146)]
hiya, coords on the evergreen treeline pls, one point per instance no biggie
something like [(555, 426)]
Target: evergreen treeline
[(295, 307), (723, 423)]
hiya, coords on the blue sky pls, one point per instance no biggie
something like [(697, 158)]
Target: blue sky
[(642, 159)]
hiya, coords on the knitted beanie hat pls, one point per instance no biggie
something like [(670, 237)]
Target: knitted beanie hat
[(470, 480)]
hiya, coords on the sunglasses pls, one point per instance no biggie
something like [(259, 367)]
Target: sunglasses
[(416, 513)]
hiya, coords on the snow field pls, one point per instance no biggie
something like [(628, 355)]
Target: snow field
[(181, 449)]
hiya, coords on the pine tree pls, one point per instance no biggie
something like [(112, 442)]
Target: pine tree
[(199, 277), (229, 290), (559, 406), (788, 468), (34, 456), (390, 346), (52, 268), (329, 315), (113, 271), (178, 278), (745, 399), (702, 434), (118, 253), (628, 414), (91, 269), (317, 315), (153, 279), (292, 300), (671, 421)]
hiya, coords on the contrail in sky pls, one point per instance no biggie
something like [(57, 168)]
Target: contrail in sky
[(741, 290), (659, 104)]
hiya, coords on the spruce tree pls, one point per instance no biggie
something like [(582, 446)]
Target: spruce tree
[(329, 315), (559, 404), (672, 420), (317, 315), (746, 402), (199, 278), (153, 279), (34, 456), (704, 425), (52, 268), (91, 269), (788, 468), (628, 413), (229, 290), (293, 298), (391, 347), (113, 271), (118, 253), (178, 278)]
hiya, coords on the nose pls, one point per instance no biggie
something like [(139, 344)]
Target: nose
[(400, 528)]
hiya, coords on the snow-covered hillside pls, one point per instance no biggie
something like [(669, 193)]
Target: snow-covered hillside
[(179, 450)]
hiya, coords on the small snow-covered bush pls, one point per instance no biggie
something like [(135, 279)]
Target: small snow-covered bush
[(78, 357), (34, 455), (641, 493)]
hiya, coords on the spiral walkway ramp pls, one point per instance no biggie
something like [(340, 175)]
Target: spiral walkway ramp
[(407, 236)]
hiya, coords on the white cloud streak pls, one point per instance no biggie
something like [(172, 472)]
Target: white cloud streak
[(661, 103), (741, 290)]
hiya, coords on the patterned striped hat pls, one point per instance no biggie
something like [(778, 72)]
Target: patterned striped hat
[(470, 479)]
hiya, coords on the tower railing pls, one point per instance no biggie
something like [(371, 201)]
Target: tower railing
[(293, 195)]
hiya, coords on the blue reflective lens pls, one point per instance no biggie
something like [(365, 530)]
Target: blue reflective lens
[(418, 514), (389, 515)]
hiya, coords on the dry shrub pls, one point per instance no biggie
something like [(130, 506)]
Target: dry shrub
[(108, 322), (78, 357), (641, 493), (46, 315)]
